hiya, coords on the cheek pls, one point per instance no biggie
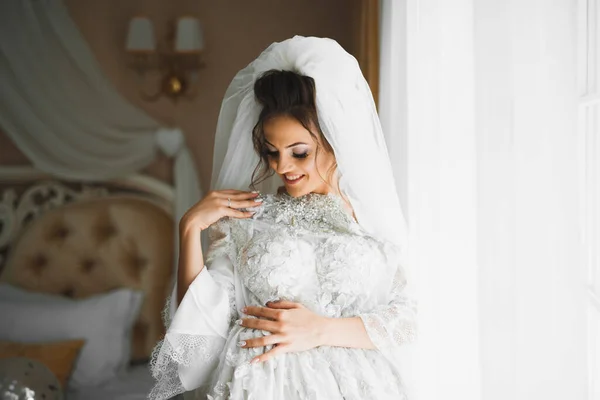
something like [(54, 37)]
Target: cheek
[(324, 163), (308, 166)]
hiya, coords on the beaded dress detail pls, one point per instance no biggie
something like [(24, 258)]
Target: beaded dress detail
[(308, 250)]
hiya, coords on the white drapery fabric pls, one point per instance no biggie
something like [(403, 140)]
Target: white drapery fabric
[(442, 197), (532, 277), (63, 113), (488, 128)]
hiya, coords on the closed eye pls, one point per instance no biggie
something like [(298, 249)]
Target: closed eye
[(295, 155)]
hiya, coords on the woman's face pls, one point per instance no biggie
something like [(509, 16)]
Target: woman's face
[(291, 154)]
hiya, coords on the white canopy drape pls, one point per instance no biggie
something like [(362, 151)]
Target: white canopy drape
[(481, 106), (63, 113)]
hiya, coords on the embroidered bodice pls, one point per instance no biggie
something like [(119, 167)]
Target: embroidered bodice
[(308, 250)]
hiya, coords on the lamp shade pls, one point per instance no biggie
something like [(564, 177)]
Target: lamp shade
[(189, 38), (140, 37)]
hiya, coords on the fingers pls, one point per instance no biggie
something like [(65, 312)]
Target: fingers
[(230, 201), (270, 354), (235, 191), (241, 203), (284, 304), (264, 312), (232, 212), (261, 341), (219, 196), (262, 324), (234, 194)]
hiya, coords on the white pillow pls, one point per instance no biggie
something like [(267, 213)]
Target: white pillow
[(104, 321)]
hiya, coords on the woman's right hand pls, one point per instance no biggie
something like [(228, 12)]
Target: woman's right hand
[(216, 205)]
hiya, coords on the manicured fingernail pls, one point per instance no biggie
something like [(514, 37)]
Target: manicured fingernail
[(239, 321), (245, 310), (258, 200), (255, 191), (242, 343), (254, 361)]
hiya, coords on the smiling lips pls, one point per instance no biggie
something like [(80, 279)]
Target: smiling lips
[(292, 179)]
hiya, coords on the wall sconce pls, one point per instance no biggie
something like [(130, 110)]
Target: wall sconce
[(178, 60)]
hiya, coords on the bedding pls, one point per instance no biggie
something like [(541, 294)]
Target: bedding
[(77, 241), (89, 247), (134, 384), (103, 321), (58, 356)]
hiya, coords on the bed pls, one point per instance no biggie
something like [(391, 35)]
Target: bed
[(91, 262)]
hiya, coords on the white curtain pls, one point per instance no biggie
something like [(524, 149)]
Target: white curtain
[(488, 122), (63, 113)]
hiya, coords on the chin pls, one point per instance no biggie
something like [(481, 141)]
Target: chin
[(296, 189)]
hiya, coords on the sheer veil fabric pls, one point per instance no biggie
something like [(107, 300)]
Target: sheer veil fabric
[(349, 120)]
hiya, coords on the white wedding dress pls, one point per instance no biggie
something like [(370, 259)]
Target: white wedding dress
[(308, 250)]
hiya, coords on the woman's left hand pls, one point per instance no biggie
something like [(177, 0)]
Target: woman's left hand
[(293, 328)]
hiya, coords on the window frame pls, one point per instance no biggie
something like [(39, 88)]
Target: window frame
[(588, 40)]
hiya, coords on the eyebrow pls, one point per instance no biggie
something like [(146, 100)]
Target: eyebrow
[(287, 147)]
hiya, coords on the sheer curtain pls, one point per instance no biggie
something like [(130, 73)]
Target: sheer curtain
[(487, 128), (64, 115)]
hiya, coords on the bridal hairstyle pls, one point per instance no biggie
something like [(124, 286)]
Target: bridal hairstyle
[(286, 94), (347, 118)]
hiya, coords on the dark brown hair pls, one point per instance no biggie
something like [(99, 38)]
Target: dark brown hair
[(289, 94)]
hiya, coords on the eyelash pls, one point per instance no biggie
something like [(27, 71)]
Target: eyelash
[(295, 155)]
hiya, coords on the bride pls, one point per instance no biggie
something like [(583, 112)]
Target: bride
[(303, 291)]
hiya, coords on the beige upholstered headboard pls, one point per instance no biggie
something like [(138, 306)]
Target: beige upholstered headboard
[(89, 241)]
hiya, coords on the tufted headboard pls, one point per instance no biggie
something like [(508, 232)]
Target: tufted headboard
[(78, 240)]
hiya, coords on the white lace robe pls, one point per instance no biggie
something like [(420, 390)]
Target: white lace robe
[(308, 250)]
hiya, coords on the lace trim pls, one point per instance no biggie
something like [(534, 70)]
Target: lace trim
[(395, 323), (191, 351), (221, 241), (166, 313), (312, 212)]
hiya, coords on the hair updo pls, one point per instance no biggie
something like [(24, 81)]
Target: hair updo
[(285, 94)]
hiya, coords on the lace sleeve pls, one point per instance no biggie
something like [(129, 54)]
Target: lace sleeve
[(196, 334), (393, 324), (219, 257)]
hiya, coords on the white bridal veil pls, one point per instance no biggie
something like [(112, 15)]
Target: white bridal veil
[(347, 116)]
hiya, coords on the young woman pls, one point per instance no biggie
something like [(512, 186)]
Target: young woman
[(302, 293)]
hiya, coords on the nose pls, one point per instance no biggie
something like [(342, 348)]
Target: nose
[(283, 165)]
